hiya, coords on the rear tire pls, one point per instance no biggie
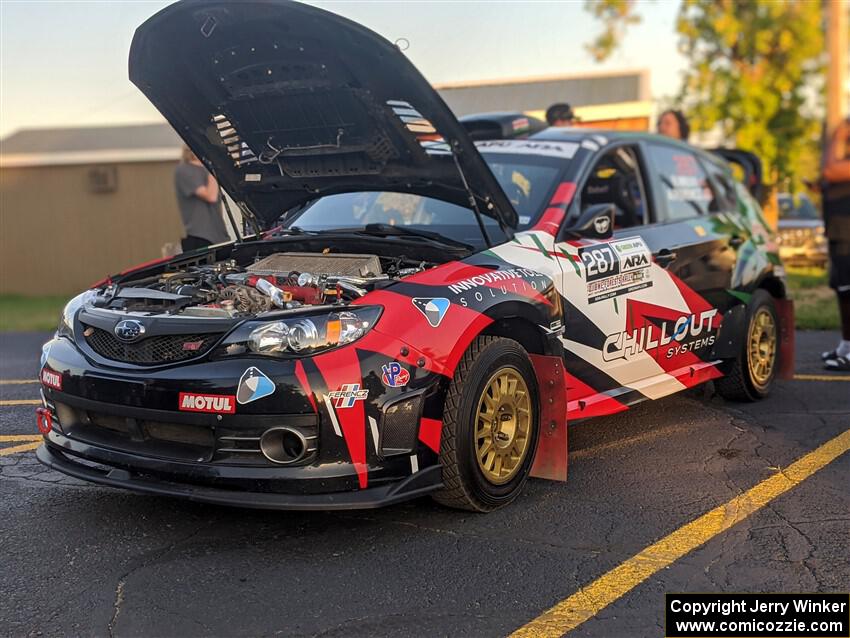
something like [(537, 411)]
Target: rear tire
[(754, 370), (490, 426)]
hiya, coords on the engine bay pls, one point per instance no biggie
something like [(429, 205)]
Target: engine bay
[(274, 282)]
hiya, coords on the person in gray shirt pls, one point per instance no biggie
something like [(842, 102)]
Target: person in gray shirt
[(199, 200)]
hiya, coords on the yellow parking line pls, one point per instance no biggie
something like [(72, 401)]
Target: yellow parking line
[(593, 598), (9, 438), (17, 381), (821, 377), (26, 447), (21, 402)]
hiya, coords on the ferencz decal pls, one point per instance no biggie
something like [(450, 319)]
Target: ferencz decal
[(684, 334), (215, 403), (394, 376), (347, 394), (51, 379)]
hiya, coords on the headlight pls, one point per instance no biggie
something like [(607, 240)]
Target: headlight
[(304, 334), (66, 321)]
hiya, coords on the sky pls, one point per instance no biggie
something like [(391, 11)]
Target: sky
[(64, 63)]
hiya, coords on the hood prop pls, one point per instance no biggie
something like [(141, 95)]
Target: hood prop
[(473, 203)]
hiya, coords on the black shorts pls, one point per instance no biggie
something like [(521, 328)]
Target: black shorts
[(839, 267)]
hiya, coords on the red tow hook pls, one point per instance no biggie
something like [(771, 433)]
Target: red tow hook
[(44, 420)]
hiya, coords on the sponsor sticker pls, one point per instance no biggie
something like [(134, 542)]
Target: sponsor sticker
[(253, 385), (347, 394), (394, 375), (434, 308), (214, 403), (51, 378), (687, 334), (615, 268)]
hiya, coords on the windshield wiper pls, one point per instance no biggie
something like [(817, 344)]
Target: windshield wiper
[(388, 230)]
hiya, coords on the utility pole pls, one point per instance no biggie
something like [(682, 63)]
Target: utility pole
[(836, 77)]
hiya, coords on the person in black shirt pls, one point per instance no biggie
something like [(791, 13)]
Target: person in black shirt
[(836, 218)]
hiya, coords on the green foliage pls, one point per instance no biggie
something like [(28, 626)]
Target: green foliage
[(616, 16), (753, 64), (28, 314), (755, 70)]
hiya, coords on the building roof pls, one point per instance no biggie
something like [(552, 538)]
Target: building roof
[(90, 145), (538, 93)]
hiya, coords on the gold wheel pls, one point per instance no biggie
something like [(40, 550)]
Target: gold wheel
[(762, 347), (503, 425)]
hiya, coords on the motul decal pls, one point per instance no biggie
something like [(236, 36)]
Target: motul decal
[(215, 403), (51, 378)]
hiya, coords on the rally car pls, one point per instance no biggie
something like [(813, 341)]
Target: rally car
[(411, 313)]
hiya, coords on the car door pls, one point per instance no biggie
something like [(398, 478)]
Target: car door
[(610, 279), (639, 322)]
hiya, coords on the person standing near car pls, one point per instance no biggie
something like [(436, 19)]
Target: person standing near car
[(672, 123), (836, 219), (199, 200), (560, 114)]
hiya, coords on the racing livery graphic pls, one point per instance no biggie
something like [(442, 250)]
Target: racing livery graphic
[(406, 311)]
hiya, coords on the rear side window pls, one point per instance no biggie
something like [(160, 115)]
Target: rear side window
[(726, 199), (685, 188)]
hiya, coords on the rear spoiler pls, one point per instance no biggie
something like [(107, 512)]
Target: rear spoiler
[(501, 125), (751, 170)]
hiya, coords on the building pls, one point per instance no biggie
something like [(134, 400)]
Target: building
[(77, 204), (614, 100)]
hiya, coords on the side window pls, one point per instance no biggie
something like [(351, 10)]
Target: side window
[(616, 179), (726, 198), (685, 188)]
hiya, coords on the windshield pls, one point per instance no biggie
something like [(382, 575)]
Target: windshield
[(528, 181), (801, 209)]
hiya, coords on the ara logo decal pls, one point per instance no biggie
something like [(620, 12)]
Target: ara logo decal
[(347, 395), (394, 376), (253, 385), (51, 378), (218, 403), (434, 308)]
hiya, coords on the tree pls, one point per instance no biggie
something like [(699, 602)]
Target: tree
[(755, 70), (616, 16)]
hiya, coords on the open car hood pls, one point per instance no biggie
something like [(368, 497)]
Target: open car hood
[(285, 103)]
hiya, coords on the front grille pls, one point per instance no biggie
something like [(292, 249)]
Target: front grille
[(151, 350)]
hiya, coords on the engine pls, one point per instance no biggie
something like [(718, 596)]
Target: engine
[(280, 281)]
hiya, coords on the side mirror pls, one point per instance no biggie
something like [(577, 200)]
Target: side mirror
[(596, 222)]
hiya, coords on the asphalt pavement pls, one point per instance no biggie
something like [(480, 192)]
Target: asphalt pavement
[(85, 560)]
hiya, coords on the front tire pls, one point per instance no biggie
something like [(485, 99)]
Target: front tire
[(490, 426), (754, 370)]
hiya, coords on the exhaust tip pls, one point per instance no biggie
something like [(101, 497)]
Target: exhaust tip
[(283, 445)]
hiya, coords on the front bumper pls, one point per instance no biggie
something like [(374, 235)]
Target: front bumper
[(416, 485), (126, 428)]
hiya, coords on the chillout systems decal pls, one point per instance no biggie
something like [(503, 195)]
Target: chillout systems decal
[(688, 333)]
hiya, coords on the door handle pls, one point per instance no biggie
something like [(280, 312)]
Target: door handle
[(665, 257)]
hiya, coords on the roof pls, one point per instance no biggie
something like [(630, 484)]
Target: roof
[(94, 144), (538, 93)]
